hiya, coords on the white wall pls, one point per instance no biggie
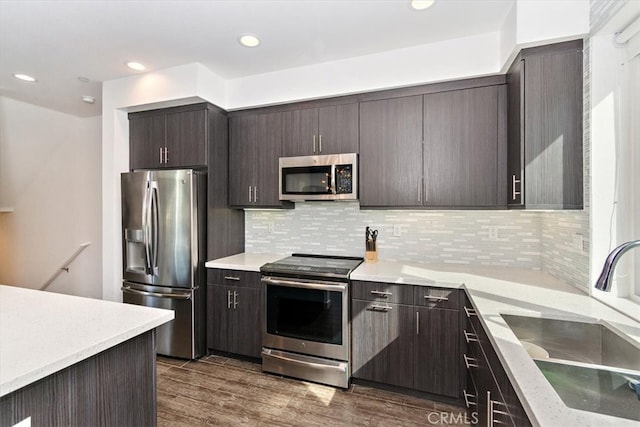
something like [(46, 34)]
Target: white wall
[(50, 175), (452, 59)]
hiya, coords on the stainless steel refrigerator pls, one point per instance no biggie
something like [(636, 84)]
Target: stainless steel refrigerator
[(164, 249)]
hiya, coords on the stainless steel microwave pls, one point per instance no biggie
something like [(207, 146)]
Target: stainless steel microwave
[(327, 177)]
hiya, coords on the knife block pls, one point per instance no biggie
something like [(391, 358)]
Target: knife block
[(371, 251)]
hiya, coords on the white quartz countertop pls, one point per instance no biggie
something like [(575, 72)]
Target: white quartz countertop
[(244, 261), (44, 332), (494, 291)]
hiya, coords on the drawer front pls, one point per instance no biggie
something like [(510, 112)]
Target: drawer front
[(247, 279), (437, 297), (382, 292)]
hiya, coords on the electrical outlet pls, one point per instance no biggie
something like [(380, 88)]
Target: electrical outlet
[(578, 242), (270, 227), (493, 232), (397, 230)]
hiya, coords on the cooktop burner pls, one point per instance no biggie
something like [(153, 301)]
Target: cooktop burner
[(306, 265)]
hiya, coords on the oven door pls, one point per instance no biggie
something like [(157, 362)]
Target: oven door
[(307, 316)]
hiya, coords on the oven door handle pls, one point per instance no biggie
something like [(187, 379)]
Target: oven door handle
[(342, 367), (319, 285)]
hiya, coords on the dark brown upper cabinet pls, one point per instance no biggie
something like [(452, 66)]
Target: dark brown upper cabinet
[(441, 150), (254, 149), (465, 148), (325, 130), (169, 138), (391, 152), (545, 160)]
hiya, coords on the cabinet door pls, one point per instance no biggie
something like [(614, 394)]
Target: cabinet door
[(247, 322), (187, 139), (391, 152), (382, 348), (268, 152), (515, 134), (242, 161), (338, 129), (553, 130), (219, 300), (146, 137), (438, 360), (461, 148), (300, 132)]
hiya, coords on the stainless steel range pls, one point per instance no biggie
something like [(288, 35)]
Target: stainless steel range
[(306, 332)]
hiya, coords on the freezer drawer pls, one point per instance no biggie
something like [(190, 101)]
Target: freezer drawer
[(181, 337)]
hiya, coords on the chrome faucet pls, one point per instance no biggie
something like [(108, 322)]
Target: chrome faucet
[(604, 281)]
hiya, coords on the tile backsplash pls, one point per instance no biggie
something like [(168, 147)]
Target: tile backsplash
[(504, 238)]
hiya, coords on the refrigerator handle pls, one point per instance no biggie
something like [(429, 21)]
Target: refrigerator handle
[(154, 226), (146, 211)]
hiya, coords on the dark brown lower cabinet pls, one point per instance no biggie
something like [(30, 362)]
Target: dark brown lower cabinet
[(489, 393), (437, 351), (114, 388), (383, 340), (412, 346), (234, 312)]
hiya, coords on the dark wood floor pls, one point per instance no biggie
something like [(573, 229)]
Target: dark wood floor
[(224, 391)]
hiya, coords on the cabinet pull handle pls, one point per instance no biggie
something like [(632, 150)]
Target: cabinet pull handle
[(255, 194), (417, 323), (235, 299), (470, 362), (436, 298), (383, 308), (228, 299), (470, 337), (514, 181), (166, 155), (314, 143), (237, 279), (382, 294), (250, 194), (467, 399), (420, 191), (320, 143), (491, 412), (161, 154), (469, 311)]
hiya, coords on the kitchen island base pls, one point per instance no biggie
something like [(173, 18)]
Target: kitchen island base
[(116, 387)]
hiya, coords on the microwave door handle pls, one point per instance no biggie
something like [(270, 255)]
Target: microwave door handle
[(332, 184)]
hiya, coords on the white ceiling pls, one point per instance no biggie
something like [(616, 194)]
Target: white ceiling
[(59, 41)]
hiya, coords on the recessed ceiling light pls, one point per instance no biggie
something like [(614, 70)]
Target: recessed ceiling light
[(421, 4), (25, 77), (87, 99), (136, 66), (249, 40)]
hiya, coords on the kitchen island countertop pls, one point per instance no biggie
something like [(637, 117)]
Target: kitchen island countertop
[(44, 332)]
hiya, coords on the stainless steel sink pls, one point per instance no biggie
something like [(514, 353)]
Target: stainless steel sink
[(589, 365)]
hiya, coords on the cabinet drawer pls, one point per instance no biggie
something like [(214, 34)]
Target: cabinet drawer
[(437, 297), (387, 292), (248, 279)]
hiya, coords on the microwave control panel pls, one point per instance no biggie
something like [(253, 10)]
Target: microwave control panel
[(344, 179)]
